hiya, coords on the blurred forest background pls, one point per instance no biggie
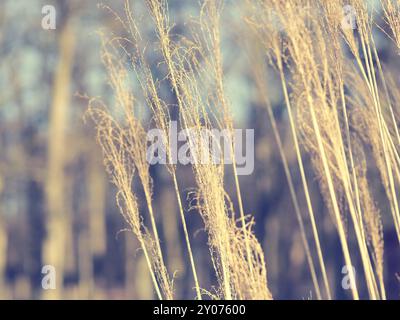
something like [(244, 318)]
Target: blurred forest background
[(56, 204)]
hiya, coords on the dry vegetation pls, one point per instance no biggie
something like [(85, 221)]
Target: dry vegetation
[(342, 107)]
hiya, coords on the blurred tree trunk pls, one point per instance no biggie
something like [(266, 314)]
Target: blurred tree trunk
[(55, 244), (35, 221), (92, 241), (86, 283), (97, 195), (92, 236)]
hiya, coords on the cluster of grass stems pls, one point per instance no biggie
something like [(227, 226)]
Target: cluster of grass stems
[(341, 106)]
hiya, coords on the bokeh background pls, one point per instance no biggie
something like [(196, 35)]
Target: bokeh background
[(56, 201)]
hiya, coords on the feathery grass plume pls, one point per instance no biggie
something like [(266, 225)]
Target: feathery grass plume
[(312, 85), (123, 140), (210, 34), (241, 275), (391, 9), (265, 22), (365, 124), (258, 67), (367, 60), (371, 215), (340, 110), (309, 45), (159, 111), (354, 193), (317, 98)]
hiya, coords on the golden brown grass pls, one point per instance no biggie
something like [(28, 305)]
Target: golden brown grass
[(310, 44), (236, 254), (339, 108), (391, 10)]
